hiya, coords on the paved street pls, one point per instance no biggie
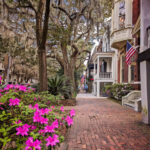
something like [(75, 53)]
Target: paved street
[(101, 124)]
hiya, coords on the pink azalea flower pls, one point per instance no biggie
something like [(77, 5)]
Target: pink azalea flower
[(1, 103), (22, 88), (23, 130), (62, 108), (9, 86), (72, 113), (36, 106), (44, 111), (16, 86), (35, 98), (52, 107), (13, 102), (0, 79), (52, 141), (69, 120), (33, 127), (1, 108), (1, 90), (30, 106), (17, 122), (55, 124), (61, 123), (50, 110), (49, 129), (33, 144), (43, 120), (38, 118), (41, 131)]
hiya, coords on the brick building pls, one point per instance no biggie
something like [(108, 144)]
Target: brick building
[(124, 16)]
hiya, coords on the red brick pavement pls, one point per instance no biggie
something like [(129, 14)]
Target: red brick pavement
[(101, 124)]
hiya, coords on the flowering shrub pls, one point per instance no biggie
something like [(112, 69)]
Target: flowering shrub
[(27, 123), (117, 91)]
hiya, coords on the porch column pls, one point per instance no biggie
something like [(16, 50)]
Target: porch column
[(112, 68), (94, 85), (98, 66), (145, 94), (145, 65), (98, 89)]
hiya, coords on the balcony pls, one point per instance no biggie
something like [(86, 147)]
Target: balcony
[(119, 37), (105, 75)]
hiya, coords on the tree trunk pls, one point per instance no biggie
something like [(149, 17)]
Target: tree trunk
[(69, 66), (69, 74), (42, 70), (41, 36)]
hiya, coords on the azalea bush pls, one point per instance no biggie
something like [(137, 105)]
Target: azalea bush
[(27, 122)]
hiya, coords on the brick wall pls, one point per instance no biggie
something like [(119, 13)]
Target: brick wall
[(136, 10)]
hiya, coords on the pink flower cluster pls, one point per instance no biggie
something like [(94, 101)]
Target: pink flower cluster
[(72, 113), (51, 129), (38, 118), (1, 79), (38, 114), (18, 122), (23, 130), (62, 108), (33, 144), (52, 140), (18, 87), (68, 119), (14, 102)]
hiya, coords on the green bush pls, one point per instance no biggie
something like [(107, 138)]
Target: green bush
[(25, 117), (59, 86), (117, 91)]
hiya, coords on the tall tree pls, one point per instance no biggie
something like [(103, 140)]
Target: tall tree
[(38, 11), (74, 25)]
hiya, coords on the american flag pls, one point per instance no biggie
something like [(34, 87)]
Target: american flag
[(82, 79), (129, 53)]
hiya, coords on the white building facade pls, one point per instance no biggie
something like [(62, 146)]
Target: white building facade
[(105, 65)]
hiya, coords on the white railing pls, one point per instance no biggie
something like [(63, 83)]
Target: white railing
[(105, 75)]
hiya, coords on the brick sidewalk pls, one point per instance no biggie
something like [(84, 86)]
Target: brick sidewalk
[(101, 124)]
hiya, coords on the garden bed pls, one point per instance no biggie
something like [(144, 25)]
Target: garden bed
[(67, 102), (30, 120)]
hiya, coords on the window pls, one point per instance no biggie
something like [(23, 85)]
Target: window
[(123, 64), (132, 73), (122, 14)]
